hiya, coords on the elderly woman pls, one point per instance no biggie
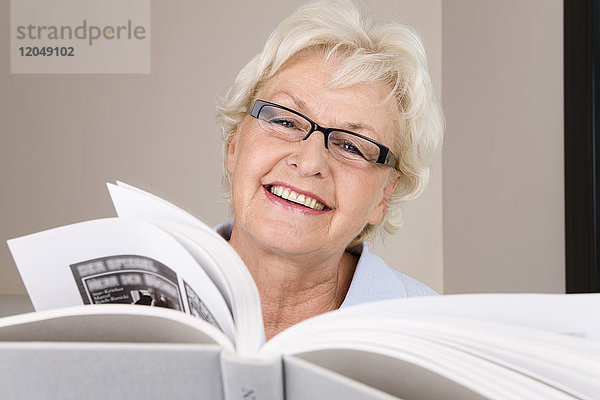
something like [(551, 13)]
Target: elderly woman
[(326, 131)]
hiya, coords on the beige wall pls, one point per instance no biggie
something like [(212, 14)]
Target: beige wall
[(503, 156), (63, 136), (417, 248)]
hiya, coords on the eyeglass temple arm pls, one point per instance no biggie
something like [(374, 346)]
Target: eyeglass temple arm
[(387, 157), (254, 108)]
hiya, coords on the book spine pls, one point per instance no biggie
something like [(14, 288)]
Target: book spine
[(251, 379)]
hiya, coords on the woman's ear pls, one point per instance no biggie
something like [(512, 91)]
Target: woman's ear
[(388, 190), (231, 152)]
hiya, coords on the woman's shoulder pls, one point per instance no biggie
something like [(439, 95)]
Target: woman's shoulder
[(374, 280)]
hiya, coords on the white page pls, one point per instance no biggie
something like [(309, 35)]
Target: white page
[(120, 323), (535, 345), (574, 314), (246, 308), (561, 360), (220, 261), (131, 202), (48, 260), (478, 374), (491, 366)]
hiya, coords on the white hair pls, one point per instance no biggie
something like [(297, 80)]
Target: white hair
[(391, 53)]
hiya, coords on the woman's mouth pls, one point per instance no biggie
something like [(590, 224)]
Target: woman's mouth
[(293, 197)]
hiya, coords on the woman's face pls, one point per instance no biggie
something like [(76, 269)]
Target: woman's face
[(352, 195)]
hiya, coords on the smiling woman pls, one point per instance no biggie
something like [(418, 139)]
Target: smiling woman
[(327, 131)]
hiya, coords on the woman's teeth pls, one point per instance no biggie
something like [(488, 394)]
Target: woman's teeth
[(290, 195)]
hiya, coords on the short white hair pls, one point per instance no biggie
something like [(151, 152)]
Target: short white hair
[(392, 53)]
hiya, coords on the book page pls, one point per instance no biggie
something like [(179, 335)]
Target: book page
[(220, 261), (105, 323), (245, 303), (547, 339), (117, 261), (571, 314), (423, 372), (495, 360), (131, 202)]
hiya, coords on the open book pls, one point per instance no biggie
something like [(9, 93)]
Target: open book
[(204, 335)]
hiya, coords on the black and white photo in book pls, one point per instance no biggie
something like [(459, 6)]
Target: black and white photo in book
[(127, 279)]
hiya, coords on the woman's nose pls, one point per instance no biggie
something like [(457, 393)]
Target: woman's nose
[(311, 156)]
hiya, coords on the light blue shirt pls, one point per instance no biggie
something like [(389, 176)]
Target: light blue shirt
[(373, 280)]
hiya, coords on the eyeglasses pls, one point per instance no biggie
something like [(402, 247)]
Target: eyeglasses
[(344, 145)]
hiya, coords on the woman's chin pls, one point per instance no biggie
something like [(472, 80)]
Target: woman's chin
[(287, 237)]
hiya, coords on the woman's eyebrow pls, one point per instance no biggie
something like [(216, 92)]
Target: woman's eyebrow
[(363, 129), (357, 126), (299, 102), (300, 105)]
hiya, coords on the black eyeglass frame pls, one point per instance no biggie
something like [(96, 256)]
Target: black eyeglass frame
[(386, 156)]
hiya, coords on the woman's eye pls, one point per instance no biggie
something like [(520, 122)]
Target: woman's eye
[(350, 148), (283, 122)]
